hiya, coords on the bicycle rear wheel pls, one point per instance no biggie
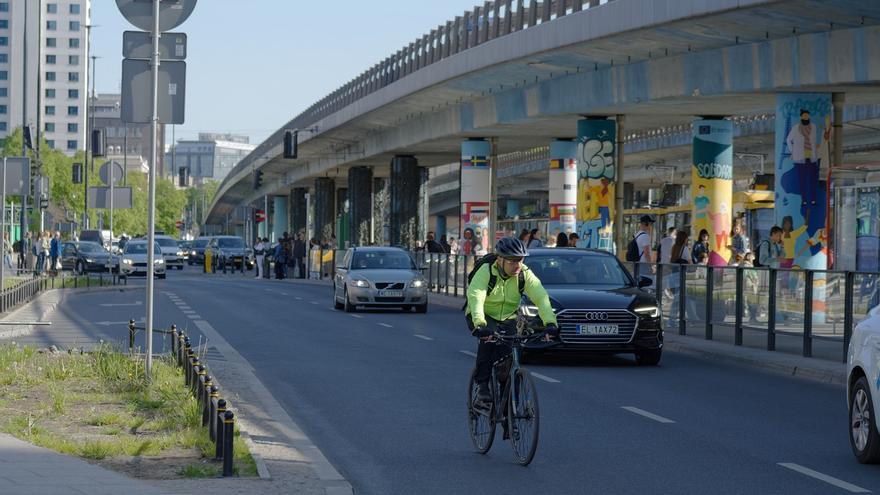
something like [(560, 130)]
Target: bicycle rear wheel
[(481, 423), (523, 417)]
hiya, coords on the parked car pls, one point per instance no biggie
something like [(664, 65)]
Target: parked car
[(134, 259), (229, 250), (82, 257), (103, 238), (599, 307), (197, 251), (171, 251), (863, 388), (379, 277)]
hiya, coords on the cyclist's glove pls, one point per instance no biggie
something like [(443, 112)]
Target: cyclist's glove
[(553, 331), (482, 332)]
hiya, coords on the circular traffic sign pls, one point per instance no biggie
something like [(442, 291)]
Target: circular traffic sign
[(172, 13)]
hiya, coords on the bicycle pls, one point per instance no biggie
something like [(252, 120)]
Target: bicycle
[(516, 402)]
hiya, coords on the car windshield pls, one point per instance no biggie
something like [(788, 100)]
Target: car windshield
[(200, 243), (140, 248), (231, 242), (90, 247), (578, 270), (166, 242), (382, 259)]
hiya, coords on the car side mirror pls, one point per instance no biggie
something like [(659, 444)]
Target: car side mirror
[(875, 312), (645, 282)]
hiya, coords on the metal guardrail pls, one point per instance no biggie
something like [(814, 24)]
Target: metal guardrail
[(29, 288)]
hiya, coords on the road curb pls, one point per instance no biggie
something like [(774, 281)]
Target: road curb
[(28, 307)]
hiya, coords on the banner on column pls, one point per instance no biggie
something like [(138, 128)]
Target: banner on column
[(563, 187), (712, 183), (475, 196), (595, 182)]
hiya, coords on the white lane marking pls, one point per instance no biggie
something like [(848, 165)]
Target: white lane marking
[(194, 317), (298, 298), (136, 303), (544, 377), (469, 353), (188, 312), (642, 412), (418, 336), (385, 325), (285, 294), (824, 477), (356, 316), (314, 302)]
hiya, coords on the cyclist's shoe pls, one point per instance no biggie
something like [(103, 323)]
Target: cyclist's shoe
[(484, 395)]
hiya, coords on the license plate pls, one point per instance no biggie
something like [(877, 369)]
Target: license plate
[(390, 293), (597, 329)]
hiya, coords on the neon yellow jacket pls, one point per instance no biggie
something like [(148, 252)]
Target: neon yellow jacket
[(501, 304)]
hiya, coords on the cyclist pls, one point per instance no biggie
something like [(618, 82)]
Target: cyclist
[(493, 298)]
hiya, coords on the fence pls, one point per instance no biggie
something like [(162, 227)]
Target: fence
[(28, 288), (216, 415)]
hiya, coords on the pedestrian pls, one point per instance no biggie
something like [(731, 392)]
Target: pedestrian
[(771, 252), (445, 243), (524, 235), (432, 246), (561, 240), (750, 286), (679, 255), (639, 249), (453, 245), (279, 259), (287, 246), (299, 254), (54, 251), (42, 248), (701, 247), (739, 244), (573, 239), (260, 255), (7, 251), (315, 255), (535, 239), (666, 246)]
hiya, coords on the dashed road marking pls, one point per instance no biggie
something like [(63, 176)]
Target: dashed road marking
[(298, 298), (544, 377), (419, 336), (823, 477), (188, 312), (469, 353), (385, 325), (356, 316), (194, 317), (285, 294), (649, 415), (314, 302)]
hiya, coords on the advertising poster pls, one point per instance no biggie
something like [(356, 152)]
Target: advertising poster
[(596, 175), (712, 186), (475, 196)]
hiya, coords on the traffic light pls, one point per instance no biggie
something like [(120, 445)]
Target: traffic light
[(259, 216), (258, 179), (291, 143), (77, 173), (27, 137), (181, 177), (98, 142)]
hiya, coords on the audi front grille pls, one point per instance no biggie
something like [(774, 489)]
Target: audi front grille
[(569, 319)]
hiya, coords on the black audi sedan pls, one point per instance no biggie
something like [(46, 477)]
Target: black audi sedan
[(599, 306)]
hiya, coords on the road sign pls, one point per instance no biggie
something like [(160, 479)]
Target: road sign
[(137, 82), (99, 197), (260, 216), (118, 173), (44, 202), (18, 173), (172, 13), (138, 44)]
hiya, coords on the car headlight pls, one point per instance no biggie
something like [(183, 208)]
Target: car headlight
[(357, 282), (180, 253), (529, 310), (126, 261), (192, 253), (418, 282), (159, 261), (89, 260), (649, 311)]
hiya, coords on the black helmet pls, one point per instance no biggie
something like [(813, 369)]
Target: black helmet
[(511, 247)]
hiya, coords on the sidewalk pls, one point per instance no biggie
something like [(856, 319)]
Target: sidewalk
[(814, 369), (26, 469)]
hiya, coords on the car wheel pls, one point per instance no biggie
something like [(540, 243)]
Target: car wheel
[(864, 438), (162, 276), (336, 304), (346, 303), (649, 357), (422, 308)]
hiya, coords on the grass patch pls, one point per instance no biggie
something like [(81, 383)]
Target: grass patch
[(98, 406)]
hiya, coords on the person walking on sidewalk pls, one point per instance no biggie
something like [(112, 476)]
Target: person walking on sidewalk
[(280, 260), (7, 251), (299, 254), (54, 251), (260, 255)]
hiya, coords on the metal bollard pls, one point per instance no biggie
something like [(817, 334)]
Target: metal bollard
[(218, 430), (205, 394), (200, 385), (210, 412), (198, 382), (228, 447), (131, 331), (174, 342), (193, 371)]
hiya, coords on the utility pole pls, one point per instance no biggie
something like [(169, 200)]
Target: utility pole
[(85, 222), (24, 225)]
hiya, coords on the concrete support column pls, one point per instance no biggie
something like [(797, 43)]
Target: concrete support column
[(381, 212), (263, 227), (325, 203), (298, 211), (441, 226), (476, 193), (342, 230), (563, 187), (360, 205), (407, 194), (596, 181), (712, 185), (512, 208), (279, 216)]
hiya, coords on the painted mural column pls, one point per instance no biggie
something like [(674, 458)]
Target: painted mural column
[(279, 216), (712, 185), (596, 180), (360, 205), (475, 196), (563, 187), (803, 136)]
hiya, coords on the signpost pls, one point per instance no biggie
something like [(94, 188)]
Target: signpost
[(155, 16)]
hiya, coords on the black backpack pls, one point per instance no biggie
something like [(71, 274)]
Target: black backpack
[(757, 261), (493, 279), (632, 249)]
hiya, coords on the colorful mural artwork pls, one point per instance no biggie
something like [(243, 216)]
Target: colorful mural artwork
[(803, 137), (596, 178), (563, 196), (475, 196), (712, 183)]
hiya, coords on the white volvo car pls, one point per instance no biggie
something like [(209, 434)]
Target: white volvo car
[(863, 388)]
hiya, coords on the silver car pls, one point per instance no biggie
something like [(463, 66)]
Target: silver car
[(379, 277), (133, 260), (171, 252)]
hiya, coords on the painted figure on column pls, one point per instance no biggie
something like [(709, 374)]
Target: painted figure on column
[(596, 182), (712, 177), (475, 196), (563, 181)]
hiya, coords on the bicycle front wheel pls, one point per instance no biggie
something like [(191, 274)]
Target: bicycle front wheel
[(523, 417), (481, 422)]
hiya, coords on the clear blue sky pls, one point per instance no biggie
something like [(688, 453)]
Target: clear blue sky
[(252, 66)]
